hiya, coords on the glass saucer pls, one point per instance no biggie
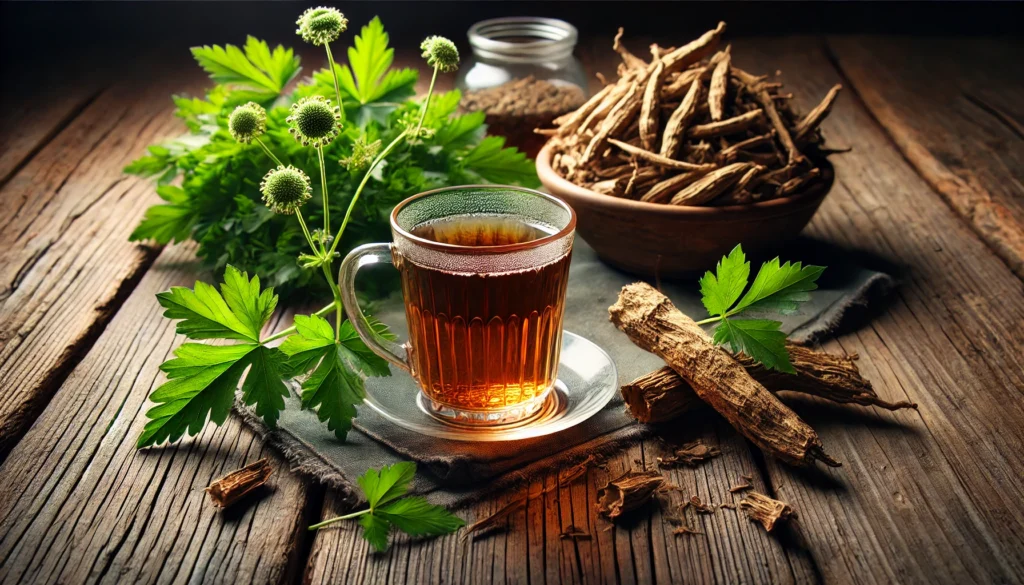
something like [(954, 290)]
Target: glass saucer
[(587, 380)]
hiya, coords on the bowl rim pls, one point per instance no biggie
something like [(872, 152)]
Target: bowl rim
[(547, 173)]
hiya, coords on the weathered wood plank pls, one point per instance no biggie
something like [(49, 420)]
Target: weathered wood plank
[(29, 122), (65, 260), (934, 495), (954, 109), (79, 503), (641, 549)]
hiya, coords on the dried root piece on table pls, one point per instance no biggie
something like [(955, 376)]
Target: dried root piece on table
[(662, 395), (690, 455), (233, 486), (711, 185), (627, 492), (767, 511), (741, 487), (701, 507), (653, 323)]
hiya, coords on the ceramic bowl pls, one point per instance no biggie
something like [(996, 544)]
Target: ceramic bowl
[(666, 241)]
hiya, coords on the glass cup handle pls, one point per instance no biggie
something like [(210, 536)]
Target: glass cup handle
[(365, 255)]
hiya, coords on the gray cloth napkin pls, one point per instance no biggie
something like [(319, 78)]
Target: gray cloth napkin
[(459, 472)]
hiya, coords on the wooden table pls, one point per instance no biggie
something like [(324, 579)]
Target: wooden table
[(933, 185)]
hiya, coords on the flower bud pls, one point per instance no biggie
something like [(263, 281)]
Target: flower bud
[(321, 25), (314, 121), (247, 122), (440, 53), (285, 189)]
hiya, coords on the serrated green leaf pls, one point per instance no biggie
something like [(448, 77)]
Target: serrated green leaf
[(418, 517), (281, 65), (461, 131), (720, 290), (375, 531), (263, 386), (491, 161), (384, 485), (333, 390), (246, 301), (205, 314), (367, 78), (760, 339), (359, 355), (307, 346), (780, 288), (201, 383), (256, 70)]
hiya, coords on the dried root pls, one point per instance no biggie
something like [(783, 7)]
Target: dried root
[(689, 113)]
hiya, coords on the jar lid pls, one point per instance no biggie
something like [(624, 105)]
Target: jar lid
[(522, 39)]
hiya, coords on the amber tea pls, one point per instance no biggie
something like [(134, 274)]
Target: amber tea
[(484, 271), (486, 338)]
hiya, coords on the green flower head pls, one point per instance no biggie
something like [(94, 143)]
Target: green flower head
[(321, 25), (440, 53), (363, 153), (247, 122), (314, 121), (285, 189)]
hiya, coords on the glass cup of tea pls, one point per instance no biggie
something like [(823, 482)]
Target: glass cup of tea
[(484, 270)]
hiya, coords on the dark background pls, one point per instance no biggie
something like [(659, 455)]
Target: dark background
[(36, 31)]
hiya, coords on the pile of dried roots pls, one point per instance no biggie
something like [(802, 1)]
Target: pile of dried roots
[(690, 128)]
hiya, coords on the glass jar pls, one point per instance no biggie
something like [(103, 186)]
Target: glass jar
[(523, 75)]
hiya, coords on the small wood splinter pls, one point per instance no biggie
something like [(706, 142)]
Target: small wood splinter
[(767, 511)]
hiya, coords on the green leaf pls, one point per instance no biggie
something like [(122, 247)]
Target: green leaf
[(333, 390), (256, 70), (263, 386), (164, 223), (780, 288), (205, 314), (243, 297), (760, 339), (387, 484), (367, 78), (359, 355), (417, 517), (462, 131), (720, 290), (491, 161), (307, 345), (201, 383), (375, 531), (281, 65)]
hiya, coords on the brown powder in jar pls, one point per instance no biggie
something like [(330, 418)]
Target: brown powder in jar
[(515, 108)]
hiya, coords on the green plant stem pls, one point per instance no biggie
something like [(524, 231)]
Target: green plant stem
[(305, 230), (334, 75), (290, 330), (326, 267), (323, 188), (709, 320), (426, 104), (270, 154), (359, 190), (339, 518)]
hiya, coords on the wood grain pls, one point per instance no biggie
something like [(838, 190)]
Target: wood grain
[(640, 549), (79, 503), (933, 495), (65, 260), (955, 110)]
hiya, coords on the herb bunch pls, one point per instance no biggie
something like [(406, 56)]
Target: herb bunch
[(210, 178), (279, 190)]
